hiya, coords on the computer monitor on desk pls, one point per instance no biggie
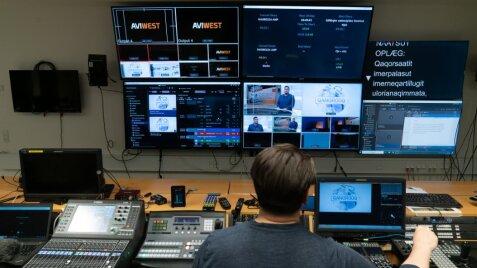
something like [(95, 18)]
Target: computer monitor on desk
[(60, 174), (354, 208)]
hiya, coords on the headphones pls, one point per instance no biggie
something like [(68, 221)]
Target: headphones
[(158, 199)]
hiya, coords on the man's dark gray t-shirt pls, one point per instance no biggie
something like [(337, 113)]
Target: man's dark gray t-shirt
[(253, 244)]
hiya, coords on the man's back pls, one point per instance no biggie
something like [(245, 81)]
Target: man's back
[(253, 244)]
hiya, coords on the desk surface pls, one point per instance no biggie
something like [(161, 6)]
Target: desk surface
[(163, 186), (234, 189), (467, 188)]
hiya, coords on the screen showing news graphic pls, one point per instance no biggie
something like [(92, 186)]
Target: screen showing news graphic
[(415, 70), (310, 115)]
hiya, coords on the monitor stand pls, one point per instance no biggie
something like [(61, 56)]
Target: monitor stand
[(107, 190)]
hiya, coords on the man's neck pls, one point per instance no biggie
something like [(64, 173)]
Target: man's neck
[(265, 217)]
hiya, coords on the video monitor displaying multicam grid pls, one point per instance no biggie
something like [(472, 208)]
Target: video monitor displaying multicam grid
[(318, 116), (177, 42)]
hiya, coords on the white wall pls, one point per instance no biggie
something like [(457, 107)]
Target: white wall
[(66, 31)]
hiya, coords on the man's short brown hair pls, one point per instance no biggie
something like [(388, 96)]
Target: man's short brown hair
[(282, 175)]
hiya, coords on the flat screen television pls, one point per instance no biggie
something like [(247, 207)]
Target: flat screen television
[(413, 97), (182, 114), (319, 42), (312, 116), (45, 91), (170, 41)]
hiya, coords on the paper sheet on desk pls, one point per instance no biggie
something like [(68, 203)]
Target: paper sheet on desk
[(415, 190)]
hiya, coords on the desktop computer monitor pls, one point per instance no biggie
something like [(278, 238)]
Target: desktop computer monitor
[(360, 207), (413, 97), (410, 127), (182, 114), (325, 42), (170, 41), (25, 221), (60, 174), (314, 116)]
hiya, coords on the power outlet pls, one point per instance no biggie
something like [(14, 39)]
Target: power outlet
[(6, 136)]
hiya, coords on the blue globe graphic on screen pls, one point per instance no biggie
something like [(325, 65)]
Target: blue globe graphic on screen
[(331, 99), (344, 197)]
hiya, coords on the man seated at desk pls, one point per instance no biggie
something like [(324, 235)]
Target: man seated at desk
[(282, 176)]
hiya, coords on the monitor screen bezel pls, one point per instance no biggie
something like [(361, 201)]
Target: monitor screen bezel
[(411, 155), (75, 108), (31, 195), (427, 154), (358, 232), (185, 4), (30, 205), (303, 5), (316, 81), (187, 82)]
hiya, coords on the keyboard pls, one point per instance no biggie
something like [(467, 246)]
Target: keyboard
[(431, 200)]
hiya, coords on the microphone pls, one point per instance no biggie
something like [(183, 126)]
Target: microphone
[(8, 249)]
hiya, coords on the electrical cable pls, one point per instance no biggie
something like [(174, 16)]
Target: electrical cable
[(5, 180), (216, 163), (61, 130), (456, 161), (110, 90), (124, 163), (9, 193), (338, 164), (112, 177), (109, 142), (14, 176), (159, 175)]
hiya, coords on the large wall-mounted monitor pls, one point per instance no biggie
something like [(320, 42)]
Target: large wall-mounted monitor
[(177, 42), (45, 91), (182, 114), (316, 116), (322, 42), (413, 97)]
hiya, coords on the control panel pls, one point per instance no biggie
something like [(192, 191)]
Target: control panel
[(372, 251), (177, 236), (94, 233), (99, 219), (446, 228), (79, 253), (446, 255)]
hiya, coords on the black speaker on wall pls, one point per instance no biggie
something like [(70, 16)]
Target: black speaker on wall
[(97, 70)]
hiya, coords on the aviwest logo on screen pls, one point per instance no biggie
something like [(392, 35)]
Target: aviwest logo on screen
[(207, 25), (332, 99), (224, 69), (145, 25), (223, 52)]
